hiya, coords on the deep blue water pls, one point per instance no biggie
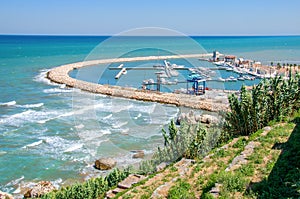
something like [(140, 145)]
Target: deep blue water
[(49, 132)]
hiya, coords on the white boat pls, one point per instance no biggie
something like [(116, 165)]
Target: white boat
[(229, 69), (247, 77), (241, 78), (219, 63), (172, 66), (177, 66), (221, 79), (231, 79), (150, 81)]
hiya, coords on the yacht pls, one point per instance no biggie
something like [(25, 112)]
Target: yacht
[(221, 79), (241, 78), (231, 79)]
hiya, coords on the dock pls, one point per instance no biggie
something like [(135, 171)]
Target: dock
[(144, 68), (123, 71)]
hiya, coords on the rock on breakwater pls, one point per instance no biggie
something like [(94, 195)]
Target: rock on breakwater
[(61, 75)]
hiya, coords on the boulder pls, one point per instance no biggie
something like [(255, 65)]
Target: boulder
[(139, 154), (209, 119), (105, 163), (4, 195), (39, 189)]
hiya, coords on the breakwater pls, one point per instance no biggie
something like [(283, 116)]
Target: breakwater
[(60, 75)]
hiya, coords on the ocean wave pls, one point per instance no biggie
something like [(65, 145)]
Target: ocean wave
[(42, 77), (116, 108), (33, 144), (16, 117), (73, 148), (11, 103), (15, 181), (80, 126), (3, 153), (125, 131), (119, 125), (27, 116), (57, 90), (107, 117), (138, 116), (31, 105), (105, 131), (144, 108)]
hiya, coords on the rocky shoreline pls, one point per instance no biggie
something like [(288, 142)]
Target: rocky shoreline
[(211, 102)]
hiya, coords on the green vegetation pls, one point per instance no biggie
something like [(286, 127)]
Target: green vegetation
[(271, 99), (283, 180), (181, 190), (91, 189), (188, 140), (271, 171)]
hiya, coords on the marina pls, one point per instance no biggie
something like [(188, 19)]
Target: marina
[(61, 75), (183, 91)]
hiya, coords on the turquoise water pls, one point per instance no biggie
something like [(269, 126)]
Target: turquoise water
[(50, 132)]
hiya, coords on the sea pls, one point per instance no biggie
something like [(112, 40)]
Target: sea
[(52, 132)]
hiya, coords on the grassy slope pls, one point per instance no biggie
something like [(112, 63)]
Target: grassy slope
[(271, 171)]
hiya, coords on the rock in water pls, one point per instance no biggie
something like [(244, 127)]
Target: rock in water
[(39, 189), (139, 154), (4, 195), (105, 163)]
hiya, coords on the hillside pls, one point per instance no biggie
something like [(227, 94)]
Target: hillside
[(263, 165)]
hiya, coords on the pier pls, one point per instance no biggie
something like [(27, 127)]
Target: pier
[(60, 75)]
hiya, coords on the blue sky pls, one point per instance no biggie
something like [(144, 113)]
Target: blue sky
[(191, 17)]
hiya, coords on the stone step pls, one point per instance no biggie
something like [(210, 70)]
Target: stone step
[(130, 180), (118, 190), (110, 194)]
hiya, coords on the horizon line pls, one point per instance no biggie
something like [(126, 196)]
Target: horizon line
[(112, 35)]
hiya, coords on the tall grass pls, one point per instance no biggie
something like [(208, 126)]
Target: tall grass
[(271, 100)]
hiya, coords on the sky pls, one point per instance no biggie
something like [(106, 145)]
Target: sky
[(110, 17)]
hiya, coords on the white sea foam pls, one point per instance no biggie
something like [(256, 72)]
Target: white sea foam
[(73, 148), (116, 108), (11, 103), (15, 181), (80, 126), (105, 131), (33, 144), (56, 117), (31, 105), (18, 116), (125, 130), (107, 117), (2, 153), (57, 90), (17, 190), (56, 183), (138, 116), (144, 108), (119, 125), (42, 77), (29, 115)]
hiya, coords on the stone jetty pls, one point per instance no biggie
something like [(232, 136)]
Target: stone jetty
[(60, 75)]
